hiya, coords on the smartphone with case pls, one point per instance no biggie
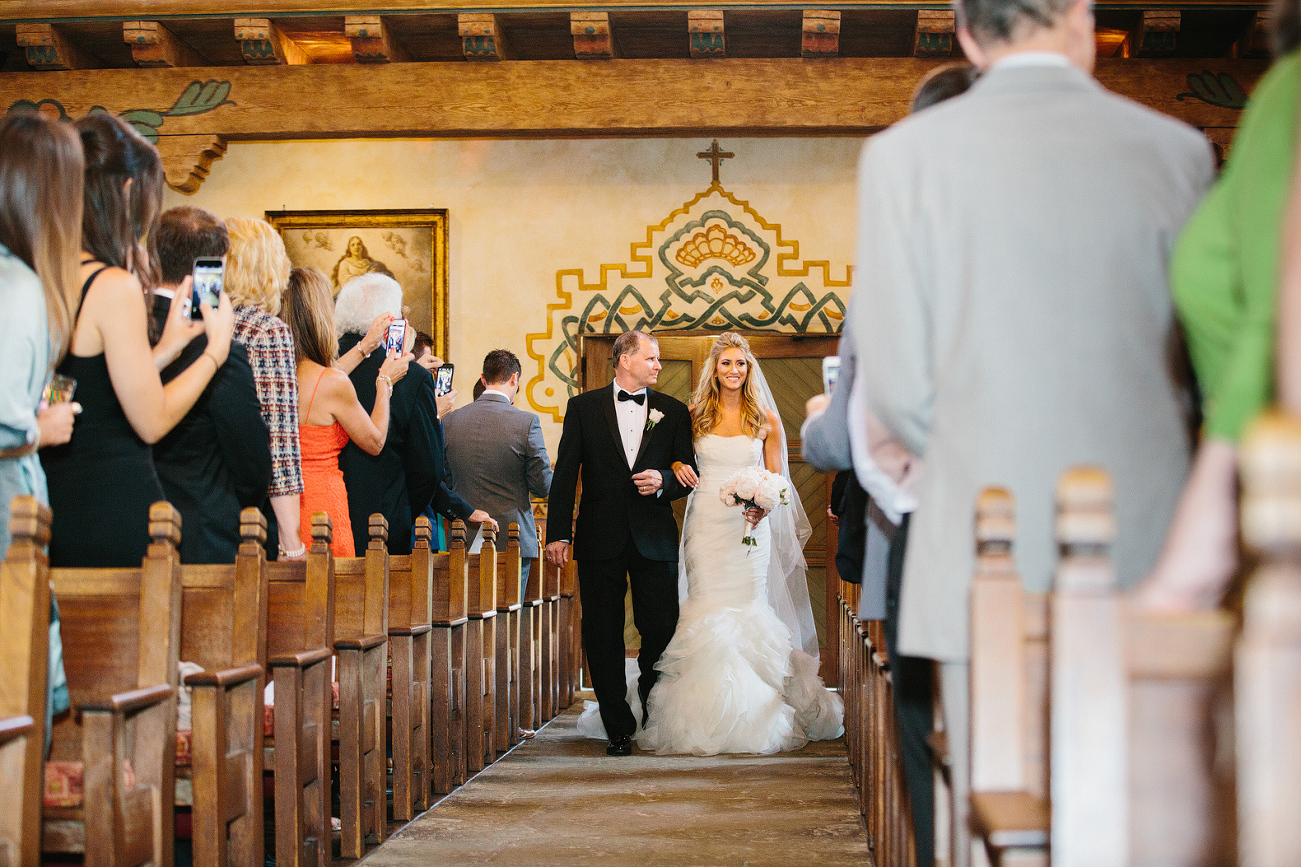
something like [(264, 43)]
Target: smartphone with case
[(443, 379), (209, 278), (396, 338), (830, 372)]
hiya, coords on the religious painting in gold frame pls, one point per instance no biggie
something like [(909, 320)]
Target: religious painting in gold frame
[(408, 244)]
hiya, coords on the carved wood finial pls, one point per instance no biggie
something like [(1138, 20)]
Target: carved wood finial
[(705, 27), (1085, 529), (593, 38), (322, 529), (457, 539), (934, 34), (164, 524), (378, 531), (715, 157), (29, 522), (424, 533), (820, 36), (995, 521), (253, 526), (1270, 465), (482, 37)]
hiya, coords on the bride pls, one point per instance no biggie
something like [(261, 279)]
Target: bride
[(741, 673)]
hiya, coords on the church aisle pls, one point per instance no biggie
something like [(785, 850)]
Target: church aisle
[(559, 800)]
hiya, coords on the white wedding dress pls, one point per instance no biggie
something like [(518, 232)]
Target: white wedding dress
[(732, 679)]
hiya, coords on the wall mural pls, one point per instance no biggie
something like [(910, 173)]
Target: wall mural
[(713, 264)]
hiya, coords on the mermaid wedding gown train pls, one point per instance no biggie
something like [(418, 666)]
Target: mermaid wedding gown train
[(732, 679)]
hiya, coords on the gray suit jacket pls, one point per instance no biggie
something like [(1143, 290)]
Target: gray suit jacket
[(498, 458), (1011, 283)]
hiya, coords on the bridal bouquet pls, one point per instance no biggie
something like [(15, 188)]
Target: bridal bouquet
[(754, 488)]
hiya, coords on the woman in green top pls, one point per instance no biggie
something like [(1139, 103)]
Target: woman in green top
[(1224, 275)]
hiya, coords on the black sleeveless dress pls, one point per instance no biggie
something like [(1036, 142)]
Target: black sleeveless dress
[(102, 482)]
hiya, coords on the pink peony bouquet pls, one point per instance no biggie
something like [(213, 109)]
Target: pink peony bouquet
[(754, 488)]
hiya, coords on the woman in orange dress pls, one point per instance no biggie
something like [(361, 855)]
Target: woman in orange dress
[(328, 411)]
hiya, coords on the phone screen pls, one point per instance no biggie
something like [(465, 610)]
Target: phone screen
[(396, 337), (830, 372), (443, 379), (209, 276)]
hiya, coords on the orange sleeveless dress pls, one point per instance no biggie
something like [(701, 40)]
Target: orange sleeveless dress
[(323, 488)]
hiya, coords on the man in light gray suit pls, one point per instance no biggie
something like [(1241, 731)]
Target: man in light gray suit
[(497, 454), (1011, 291)]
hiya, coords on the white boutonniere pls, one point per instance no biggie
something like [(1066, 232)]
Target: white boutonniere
[(653, 418)]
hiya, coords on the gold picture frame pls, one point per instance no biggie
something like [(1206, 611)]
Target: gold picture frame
[(409, 244)]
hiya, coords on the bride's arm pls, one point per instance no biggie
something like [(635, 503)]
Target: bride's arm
[(772, 445)]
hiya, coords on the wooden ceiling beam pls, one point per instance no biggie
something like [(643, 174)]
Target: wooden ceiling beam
[(482, 37), (372, 40), (783, 96), (593, 37), (1156, 33), (154, 46), (820, 36), (49, 49), (934, 34), (263, 44), (705, 27)]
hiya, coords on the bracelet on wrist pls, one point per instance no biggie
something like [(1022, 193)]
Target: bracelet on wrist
[(385, 379), (285, 552), (215, 365)]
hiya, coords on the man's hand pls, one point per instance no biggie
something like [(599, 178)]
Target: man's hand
[(55, 421), (446, 403), (558, 553), (816, 405), (479, 516), (648, 482)]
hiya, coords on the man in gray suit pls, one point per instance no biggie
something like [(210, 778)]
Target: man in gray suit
[(497, 454), (1011, 295)]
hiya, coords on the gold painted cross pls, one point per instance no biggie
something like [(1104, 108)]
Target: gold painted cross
[(715, 157)]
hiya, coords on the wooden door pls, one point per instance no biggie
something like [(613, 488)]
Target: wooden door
[(793, 367)]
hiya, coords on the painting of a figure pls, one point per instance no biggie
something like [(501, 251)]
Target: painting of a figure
[(410, 246)]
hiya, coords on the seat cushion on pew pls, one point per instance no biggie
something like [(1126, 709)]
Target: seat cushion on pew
[(65, 783)]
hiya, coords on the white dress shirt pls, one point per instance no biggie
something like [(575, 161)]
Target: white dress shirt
[(632, 421)]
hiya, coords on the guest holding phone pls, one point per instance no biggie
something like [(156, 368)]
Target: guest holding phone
[(102, 482), (329, 414)]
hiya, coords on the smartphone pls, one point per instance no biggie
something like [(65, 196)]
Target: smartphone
[(830, 372), (443, 379), (209, 277), (396, 337)]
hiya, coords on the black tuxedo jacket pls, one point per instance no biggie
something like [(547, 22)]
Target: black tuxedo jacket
[(411, 471), (217, 460), (612, 511)]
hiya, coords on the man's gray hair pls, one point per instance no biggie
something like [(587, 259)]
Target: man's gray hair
[(362, 299), (993, 21), (628, 343)]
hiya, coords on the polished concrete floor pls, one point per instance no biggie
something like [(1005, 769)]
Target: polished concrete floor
[(559, 800)]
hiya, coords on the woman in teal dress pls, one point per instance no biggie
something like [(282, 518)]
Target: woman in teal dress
[(1225, 278), (40, 242)]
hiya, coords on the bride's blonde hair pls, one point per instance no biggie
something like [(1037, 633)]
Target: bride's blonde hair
[(706, 409)]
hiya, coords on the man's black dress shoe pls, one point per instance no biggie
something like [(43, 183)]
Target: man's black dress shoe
[(620, 745)]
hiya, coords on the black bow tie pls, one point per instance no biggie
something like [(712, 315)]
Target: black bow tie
[(639, 397)]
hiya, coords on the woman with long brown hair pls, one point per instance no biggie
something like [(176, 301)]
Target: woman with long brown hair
[(329, 413), (102, 481)]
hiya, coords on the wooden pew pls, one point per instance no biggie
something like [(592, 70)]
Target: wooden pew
[(121, 637), (528, 664), (509, 641), (223, 629), (549, 628), (24, 635), (409, 628), (361, 592), (1009, 694), (1267, 660), (300, 646), (1134, 702), (571, 634), (448, 713), (480, 655)]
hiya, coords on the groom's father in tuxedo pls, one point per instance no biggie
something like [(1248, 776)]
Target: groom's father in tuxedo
[(621, 440)]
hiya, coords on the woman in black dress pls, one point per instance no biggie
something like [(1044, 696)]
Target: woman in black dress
[(102, 482)]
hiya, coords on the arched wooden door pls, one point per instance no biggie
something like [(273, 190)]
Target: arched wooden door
[(793, 367)]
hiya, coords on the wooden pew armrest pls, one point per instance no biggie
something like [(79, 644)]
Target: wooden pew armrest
[(366, 642), (1010, 820), (130, 701), (410, 630), (303, 659), (15, 727), (226, 677)]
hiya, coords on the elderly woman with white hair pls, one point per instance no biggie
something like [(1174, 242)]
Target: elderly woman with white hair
[(410, 473)]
